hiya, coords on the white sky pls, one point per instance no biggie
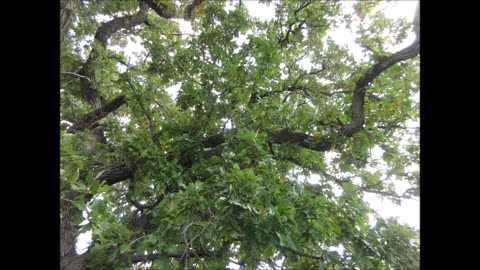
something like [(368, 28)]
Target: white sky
[(409, 211)]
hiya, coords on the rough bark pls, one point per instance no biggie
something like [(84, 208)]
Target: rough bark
[(69, 259), (119, 170), (91, 119), (66, 10), (187, 14), (89, 93), (363, 82), (165, 9), (303, 140), (213, 140)]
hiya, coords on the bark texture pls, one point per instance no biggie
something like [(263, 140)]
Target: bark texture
[(89, 92), (91, 120), (187, 14), (164, 8), (69, 259), (358, 117), (66, 10)]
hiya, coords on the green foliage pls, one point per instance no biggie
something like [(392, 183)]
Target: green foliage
[(246, 199), (70, 161)]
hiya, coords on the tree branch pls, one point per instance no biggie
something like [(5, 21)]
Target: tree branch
[(91, 119), (66, 11), (139, 206), (363, 82), (189, 252), (162, 8), (390, 194), (151, 127), (75, 74), (107, 29), (124, 168), (303, 140), (89, 93), (119, 170), (301, 253), (213, 140), (187, 15)]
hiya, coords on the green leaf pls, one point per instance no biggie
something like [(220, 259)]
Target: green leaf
[(349, 187), (93, 184), (124, 248), (268, 252), (162, 262), (285, 240), (80, 203), (72, 174), (80, 186)]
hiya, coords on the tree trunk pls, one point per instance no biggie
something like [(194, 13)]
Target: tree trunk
[(65, 20), (69, 259)]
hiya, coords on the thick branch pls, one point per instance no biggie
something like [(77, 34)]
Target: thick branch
[(187, 15), (162, 8), (109, 28), (69, 259), (65, 20), (104, 32), (118, 171), (89, 120), (303, 140), (358, 117), (278, 137), (123, 169), (213, 140)]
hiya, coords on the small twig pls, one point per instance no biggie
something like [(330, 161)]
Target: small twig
[(145, 61), (189, 244), (147, 114), (136, 240), (67, 200), (335, 179), (369, 140), (75, 74), (302, 254), (228, 119)]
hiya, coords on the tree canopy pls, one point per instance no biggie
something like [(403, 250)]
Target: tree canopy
[(217, 176)]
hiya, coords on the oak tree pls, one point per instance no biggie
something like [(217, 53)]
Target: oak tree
[(216, 176)]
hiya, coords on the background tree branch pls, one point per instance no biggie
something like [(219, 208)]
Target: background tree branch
[(362, 83)]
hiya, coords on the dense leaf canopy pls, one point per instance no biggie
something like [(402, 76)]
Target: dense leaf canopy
[(217, 176)]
